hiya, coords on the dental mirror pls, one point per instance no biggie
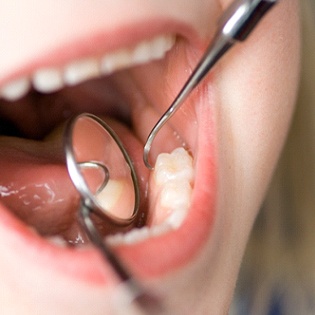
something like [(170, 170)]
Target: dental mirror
[(101, 170), (103, 173)]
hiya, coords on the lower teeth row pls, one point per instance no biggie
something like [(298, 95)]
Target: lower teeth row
[(171, 185)]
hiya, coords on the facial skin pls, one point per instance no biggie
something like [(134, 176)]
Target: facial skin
[(235, 124)]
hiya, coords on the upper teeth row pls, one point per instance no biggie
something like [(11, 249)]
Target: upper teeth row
[(51, 79)]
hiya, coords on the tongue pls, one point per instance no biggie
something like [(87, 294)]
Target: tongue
[(36, 187)]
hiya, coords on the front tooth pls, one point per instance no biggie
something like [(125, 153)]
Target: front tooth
[(47, 80), (142, 53), (15, 89), (115, 61), (80, 71)]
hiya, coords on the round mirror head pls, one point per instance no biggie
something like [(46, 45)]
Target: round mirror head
[(101, 170)]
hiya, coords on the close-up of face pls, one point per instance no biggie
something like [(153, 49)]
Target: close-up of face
[(125, 61)]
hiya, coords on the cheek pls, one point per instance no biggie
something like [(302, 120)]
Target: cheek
[(257, 86)]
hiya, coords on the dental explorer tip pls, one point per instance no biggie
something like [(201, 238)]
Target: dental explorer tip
[(146, 152)]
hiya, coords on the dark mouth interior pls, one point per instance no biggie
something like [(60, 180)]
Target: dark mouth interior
[(25, 125), (37, 114)]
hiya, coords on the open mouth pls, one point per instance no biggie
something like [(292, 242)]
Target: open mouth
[(129, 83)]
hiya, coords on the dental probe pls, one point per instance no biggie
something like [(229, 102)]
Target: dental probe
[(236, 23)]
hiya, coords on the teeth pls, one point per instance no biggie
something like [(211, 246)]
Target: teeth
[(175, 193), (114, 62), (80, 71), (57, 240), (47, 80), (109, 197), (137, 235), (142, 53), (160, 45), (15, 89), (172, 187), (117, 198), (175, 166)]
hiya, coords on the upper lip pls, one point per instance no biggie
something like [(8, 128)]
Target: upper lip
[(77, 44), (83, 44)]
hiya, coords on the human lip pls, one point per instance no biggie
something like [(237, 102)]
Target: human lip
[(80, 45), (145, 258)]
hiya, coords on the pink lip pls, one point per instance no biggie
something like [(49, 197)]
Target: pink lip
[(149, 258)]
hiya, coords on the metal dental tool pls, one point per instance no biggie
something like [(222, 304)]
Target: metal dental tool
[(96, 162), (236, 23)]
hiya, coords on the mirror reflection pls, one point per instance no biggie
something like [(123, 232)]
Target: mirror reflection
[(107, 173)]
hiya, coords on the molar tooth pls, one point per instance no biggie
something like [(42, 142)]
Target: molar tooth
[(158, 230), (47, 80), (80, 71), (175, 195), (177, 165), (170, 41), (174, 203), (109, 197), (57, 240), (15, 89), (136, 235), (161, 45), (176, 218), (171, 187), (115, 239)]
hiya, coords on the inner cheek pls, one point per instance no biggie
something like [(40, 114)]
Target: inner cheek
[(160, 83)]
